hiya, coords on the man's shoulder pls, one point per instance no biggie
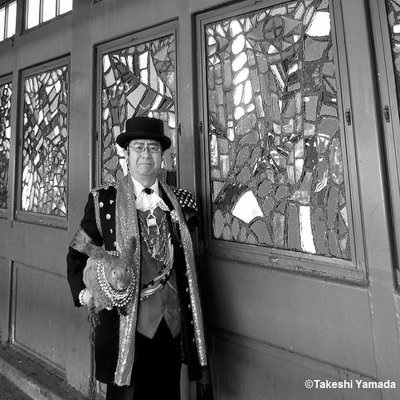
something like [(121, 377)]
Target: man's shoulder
[(107, 189), (185, 198)]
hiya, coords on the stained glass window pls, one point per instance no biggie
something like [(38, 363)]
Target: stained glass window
[(5, 137), (393, 10), (45, 140), (275, 154), (137, 81), (8, 20)]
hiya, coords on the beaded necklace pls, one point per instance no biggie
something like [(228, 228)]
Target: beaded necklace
[(154, 235), (118, 298)]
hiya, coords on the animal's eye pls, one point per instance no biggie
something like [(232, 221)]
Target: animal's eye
[(114, 272)]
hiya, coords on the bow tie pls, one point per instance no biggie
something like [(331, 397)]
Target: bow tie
[(148, 201)]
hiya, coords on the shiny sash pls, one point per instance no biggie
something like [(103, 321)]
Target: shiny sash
[(127, 225)]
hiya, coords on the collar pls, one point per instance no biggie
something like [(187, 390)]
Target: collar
[(138, 187), (147, 202)]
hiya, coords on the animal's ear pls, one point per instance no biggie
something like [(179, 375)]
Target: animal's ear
[(84, 244), (94, 251)]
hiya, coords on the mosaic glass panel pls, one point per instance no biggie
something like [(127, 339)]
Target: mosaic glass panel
[(137, 81), (45, 143), (5, 137), (276, 168), (393, 12)]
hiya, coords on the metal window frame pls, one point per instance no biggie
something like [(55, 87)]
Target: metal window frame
[(390, 118), (133, 39), (41, 23), (26, 9), (41, 11), (7, 79), (353, 271), (29, 216), (6, 5)]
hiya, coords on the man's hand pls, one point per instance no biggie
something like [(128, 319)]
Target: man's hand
[(204, 387), (87, 297)]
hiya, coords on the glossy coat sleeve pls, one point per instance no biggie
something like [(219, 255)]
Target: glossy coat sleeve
[(191, 218), (76, 261)]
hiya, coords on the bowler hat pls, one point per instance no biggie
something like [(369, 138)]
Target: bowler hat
[(144, 128)]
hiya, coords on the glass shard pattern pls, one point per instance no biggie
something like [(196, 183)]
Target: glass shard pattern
[(275, 154), (45, 143), (5, 138), (137, 81), (393, 13)]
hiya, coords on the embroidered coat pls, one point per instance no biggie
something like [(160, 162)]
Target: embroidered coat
[(110, 218)]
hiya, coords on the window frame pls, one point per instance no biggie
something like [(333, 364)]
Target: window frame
[(5, 5), (5, 211), (29, 216), (132, 39), (390, 103), (352, 271), (41, 22)]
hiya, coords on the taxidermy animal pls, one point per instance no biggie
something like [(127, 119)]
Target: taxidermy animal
[(109, 278)]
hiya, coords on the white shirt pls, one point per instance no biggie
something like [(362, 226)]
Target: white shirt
[(144, 201)]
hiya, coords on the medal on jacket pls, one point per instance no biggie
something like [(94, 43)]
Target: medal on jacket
[(151, 221)]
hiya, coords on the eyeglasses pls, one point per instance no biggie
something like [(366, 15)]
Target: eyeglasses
[(141, 147)]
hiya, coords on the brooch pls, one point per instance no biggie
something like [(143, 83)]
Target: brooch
[(174, 216)]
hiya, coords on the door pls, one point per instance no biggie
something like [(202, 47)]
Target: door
[(299, 280), (33, 219)]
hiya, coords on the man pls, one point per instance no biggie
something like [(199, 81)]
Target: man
[(139, 350)]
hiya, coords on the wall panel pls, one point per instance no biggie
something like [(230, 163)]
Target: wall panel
[(5, 289), (40, 246), (257, 372), (293, 312), (114, 19), (39, 314)]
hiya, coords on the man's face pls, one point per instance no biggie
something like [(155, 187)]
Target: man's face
[(144, 158)]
